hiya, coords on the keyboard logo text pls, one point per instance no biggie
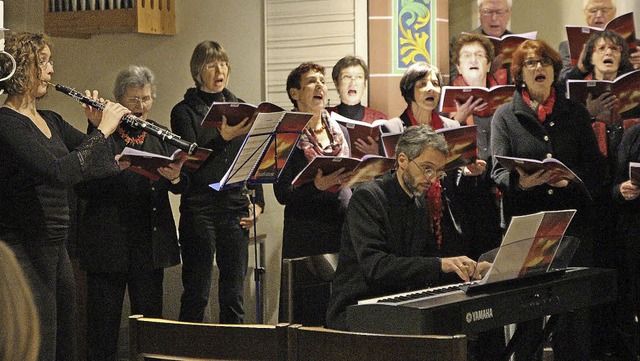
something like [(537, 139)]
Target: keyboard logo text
[(479, 315)]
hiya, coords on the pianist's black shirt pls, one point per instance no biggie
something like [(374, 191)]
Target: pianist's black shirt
[(386, 247)]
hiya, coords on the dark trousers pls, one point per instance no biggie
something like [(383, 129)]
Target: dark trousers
[(204, 235), (105, 294), (572, 339), (48, 270), (628, 300)]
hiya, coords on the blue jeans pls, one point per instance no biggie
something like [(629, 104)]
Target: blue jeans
[(204, 234), (48, 270)]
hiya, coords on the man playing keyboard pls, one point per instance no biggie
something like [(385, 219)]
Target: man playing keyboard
[(387, 243)]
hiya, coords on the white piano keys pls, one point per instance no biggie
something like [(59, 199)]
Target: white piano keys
[(415, 295)]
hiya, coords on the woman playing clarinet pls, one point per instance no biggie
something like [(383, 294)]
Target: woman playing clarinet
[(41, 157)]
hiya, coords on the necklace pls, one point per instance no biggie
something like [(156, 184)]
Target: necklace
[(319, 130), (131, 140)]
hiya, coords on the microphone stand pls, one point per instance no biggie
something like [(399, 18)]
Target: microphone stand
[(258, 271)]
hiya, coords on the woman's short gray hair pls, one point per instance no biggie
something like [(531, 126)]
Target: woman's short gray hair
[(417, 138), (134, 76)]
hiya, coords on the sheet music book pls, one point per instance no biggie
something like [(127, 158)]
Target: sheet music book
[(494, 97), (507, 44), (578, 35), (258, 161), (364, 169), (463, 146), (358, 130), (461, 141), (625, 87), (147, 164), (389, 143), (634, 173), (236, 112), (534, 165), (279, 150), (530, 247)]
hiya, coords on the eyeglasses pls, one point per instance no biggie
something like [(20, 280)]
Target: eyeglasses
[(144, 101), (594, 11), (490, 13), (601, 49), (429, 172), (532, 63), (350, 78), (43, 64), (216, 65), (468, 56)]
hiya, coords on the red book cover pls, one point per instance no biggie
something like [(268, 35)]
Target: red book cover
[(236, 112), (546, 242), (359, 130), (364, 169), (578, 35), (506, 45), (276, 156), (147, 164), (463, 146), (532, 244), (634, 173), (461, 141), (494, 97), (625, 87), (389, 142), (551, 164)]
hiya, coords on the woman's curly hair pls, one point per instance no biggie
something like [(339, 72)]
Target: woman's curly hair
[(24, 47)]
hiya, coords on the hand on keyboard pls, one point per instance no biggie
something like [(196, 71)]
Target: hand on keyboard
[(463, 266)]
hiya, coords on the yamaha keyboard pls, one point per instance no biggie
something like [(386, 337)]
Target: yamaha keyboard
[(449, 310)]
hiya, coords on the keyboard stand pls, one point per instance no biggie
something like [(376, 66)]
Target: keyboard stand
[(519, 338)]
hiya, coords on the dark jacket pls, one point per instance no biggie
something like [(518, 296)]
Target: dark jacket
[(312, 218), (386, 247), (565, 135), (473, 200), (186, 121), (127, 220), (629, 151)]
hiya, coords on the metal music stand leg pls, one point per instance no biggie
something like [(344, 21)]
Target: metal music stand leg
[(258, 272)]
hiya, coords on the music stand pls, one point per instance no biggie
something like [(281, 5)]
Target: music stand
[(262, 156)]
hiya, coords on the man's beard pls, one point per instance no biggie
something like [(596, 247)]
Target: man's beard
[(410, 184)]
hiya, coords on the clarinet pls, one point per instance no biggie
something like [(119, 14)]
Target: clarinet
[(135, 122)]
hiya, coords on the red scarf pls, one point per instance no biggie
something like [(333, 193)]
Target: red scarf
[(543, 109), (436, 121), (434, 194)]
